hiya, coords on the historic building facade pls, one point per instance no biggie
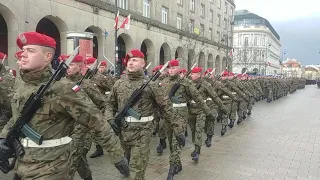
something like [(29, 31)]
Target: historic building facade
[(163, 29), (256, 45)]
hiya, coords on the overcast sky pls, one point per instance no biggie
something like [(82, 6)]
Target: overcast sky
[(297, 22)]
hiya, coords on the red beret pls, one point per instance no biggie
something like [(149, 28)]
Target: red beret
[(77, 58), (2, 55), (63, 57), (134, 53), (18, 55), (34, 38), (124, 62), (239, 75), (225, 73), (208, 71), (183, 70), (13, 72), (174, 62), (90, 60), (103, 63), (155, 69), (196, 70), (231, 74)]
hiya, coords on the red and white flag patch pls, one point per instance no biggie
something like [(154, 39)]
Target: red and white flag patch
[(76, 88)]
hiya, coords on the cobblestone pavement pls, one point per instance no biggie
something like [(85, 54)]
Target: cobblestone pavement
[(279, 141)]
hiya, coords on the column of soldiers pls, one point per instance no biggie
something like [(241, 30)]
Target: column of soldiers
[(79, 109)]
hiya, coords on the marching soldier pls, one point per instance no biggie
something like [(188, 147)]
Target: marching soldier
[(61, 108), (137, 136)]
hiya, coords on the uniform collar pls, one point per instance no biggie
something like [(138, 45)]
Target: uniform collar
[(36, 77)]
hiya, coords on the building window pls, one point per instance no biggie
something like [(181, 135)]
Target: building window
[(123, 4), (255, 54), (179, 21), (203, 8), (240, 39), (164, 15), (218, 36), (192, 5), (219, 20), (225, 23), (226, 8), (210, 34), (263, 41), (201, 30), (211, 15), (255, 42), (180, 2), (191, 26), (146, 8), (246, 41)]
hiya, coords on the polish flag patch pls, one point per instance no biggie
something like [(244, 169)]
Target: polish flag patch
[(76, 88), (1, 78)]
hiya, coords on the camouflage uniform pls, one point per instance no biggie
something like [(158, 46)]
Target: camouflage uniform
[(137, 136), (7, 81), (61, 108), (81, 140)]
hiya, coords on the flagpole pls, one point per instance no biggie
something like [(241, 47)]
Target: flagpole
[(117, 62)]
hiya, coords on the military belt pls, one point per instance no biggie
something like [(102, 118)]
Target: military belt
[(225, 97), (234, 93), (26, 142), (142, 119), (179, 105), (108, 92)]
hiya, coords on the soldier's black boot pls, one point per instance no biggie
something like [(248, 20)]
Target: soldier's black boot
[(98, 152), (249, 113), (196, 154), (223, 130), (186, 133), (231, 124), (208, 141), (171, 172), (178, 168), (162, 145), (88, 178), (239, 121), (244, 115)]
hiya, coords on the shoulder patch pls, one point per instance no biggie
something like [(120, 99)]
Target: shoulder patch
[(76, 88), (1, 78)]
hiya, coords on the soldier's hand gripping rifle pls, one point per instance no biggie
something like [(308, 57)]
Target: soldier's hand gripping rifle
[(91, 71), (119, 119), (176, 85), (2, 62), (21, 129)]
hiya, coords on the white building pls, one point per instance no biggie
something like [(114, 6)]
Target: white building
[(162, 29), (293, 68), (256, 45)]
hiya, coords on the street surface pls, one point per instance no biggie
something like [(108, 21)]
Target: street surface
[(279, 141)]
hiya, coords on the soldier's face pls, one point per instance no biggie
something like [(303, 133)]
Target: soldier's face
[(74, 68), (195, 76), (102, 69), (135, 64), (34, 58), (173, 70)]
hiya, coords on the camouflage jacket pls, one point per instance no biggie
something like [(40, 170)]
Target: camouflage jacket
[(61, 108), (221, 90), (207, 91), (7, 82), (153, 95), (232, 85), (91, 89), (187, 93), (104, 82)]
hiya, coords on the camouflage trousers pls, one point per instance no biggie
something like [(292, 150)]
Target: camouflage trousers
[(233, 111), (175, 148), (209, 124), (242, 108), (135, 140), (80, 146), (34, 168), (250, 104), (197, 123), (162, 129), (225, 117), (269, 93)]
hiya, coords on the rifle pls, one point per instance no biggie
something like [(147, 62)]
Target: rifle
[(21, 128), (207, 75), (176, 85), (90, 72), (127, 110), (2, 62)]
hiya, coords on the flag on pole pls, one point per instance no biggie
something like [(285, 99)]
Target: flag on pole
[(126, 23), (231, 53), (116, 22)]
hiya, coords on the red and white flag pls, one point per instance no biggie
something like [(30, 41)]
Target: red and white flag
[(116, 22), (126, 23), (76, 88), (231, 53)]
